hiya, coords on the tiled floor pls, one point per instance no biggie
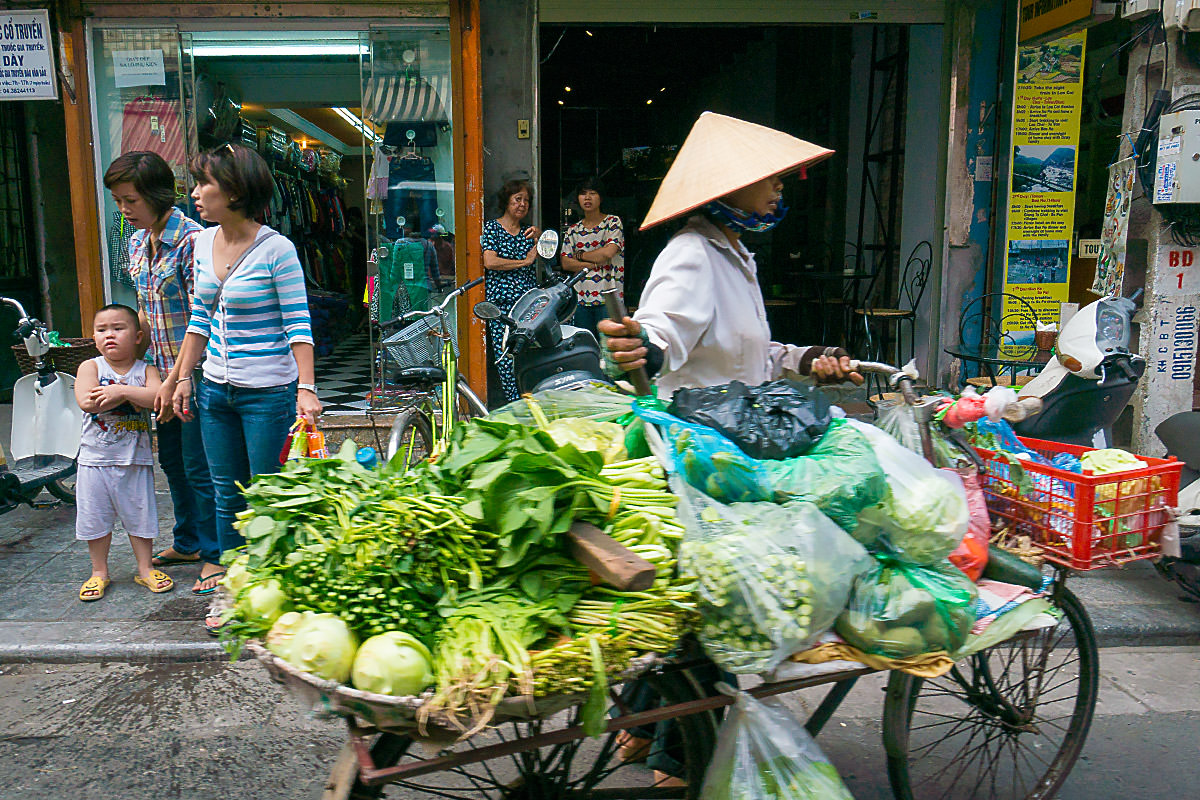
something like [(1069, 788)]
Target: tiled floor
[(344, 376)]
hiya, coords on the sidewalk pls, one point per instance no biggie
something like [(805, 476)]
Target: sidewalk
[(42, 619)]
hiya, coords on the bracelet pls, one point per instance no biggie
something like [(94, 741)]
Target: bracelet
[(184, 378), (311, 387)]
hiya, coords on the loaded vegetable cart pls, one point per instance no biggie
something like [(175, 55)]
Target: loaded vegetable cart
[(557, 604)]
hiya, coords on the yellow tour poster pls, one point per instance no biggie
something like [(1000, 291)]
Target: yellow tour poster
[(1041, 192)]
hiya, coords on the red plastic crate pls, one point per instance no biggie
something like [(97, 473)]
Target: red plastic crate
[(1083, 521)]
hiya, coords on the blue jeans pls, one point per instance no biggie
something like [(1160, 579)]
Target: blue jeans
[(586, 317), (244, 430), (181, 455)]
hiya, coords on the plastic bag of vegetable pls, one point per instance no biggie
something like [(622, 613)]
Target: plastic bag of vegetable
[(763, 753), (709, 461), (901, 610), (924, 515), (971, 555), (771, 578), (840, 475), (896, 418), (780, 419), (604, 405)]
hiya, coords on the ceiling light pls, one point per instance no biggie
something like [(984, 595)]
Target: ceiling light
[(266, 49), (566, 88), (357, 124), (589, 33), (663, 89), (648, 102), (560, 102)]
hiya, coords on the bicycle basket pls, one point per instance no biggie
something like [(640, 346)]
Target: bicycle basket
[(418, 345)]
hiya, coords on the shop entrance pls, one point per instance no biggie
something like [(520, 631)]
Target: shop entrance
[(616, 101), (355, 126)]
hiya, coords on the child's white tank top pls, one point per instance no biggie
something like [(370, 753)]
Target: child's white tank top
[(120, 436)]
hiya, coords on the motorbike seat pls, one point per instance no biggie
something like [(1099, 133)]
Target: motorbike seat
[(1180, 434), (1075, 409), (418, 375)]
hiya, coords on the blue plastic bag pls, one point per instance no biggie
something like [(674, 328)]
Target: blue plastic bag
[(709, 461)]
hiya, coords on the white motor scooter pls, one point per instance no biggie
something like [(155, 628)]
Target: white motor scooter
[(46, 423), (1089, 380)]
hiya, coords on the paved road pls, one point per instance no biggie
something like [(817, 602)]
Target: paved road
[(199, 731)]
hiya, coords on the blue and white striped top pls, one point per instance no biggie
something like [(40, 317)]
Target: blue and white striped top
[(262, 312)]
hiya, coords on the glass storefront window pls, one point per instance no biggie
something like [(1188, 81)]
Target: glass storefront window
[(138, 90)]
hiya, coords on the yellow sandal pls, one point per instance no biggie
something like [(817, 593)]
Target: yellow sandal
[(93, 589), (159, 582)]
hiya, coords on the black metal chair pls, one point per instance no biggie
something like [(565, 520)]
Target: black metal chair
[(994, 317), (911, 288)]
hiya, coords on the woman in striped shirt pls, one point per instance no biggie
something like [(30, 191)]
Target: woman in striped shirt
[(250, 320)]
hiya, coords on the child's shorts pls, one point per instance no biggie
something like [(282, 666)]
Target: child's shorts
[(105, 494)]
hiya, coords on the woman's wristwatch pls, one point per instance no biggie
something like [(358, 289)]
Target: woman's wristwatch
[(312, 387)]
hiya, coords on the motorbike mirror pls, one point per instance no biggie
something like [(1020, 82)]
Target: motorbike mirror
[(547, 244), (485, 310)]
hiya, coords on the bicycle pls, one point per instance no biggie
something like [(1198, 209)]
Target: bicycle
[(1008, 721), (420, 364)]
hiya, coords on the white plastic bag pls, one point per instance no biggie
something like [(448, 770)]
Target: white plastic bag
[(771, 578), (925, 515), (763, 753)]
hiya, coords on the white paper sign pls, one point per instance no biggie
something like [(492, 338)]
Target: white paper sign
[(139, 68), (983, 168), (27, 57)]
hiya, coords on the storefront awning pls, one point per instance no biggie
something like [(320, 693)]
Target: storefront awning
[(395, 98)]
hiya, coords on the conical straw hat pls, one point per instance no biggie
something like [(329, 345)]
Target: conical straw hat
[(721, 155)]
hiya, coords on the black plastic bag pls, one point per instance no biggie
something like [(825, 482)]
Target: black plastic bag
[(775, 420)]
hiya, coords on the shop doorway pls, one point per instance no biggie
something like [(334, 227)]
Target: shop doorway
[(355, 126), (616, 101)]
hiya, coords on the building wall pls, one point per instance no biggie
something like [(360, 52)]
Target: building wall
[(509, 42)]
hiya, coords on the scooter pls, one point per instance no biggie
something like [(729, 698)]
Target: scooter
[(1088, 382), (46, 423), (1180, 433), (547, 352)]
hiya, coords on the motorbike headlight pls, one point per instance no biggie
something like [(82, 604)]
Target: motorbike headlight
[(1111, 327)]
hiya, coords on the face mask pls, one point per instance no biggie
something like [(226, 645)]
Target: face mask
[(739, 220)]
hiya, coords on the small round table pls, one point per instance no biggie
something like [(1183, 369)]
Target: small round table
[(993, 361)]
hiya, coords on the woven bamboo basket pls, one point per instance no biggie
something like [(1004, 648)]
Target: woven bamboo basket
[(65, 359)]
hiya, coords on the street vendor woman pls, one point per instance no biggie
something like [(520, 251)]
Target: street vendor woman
[(701, 320)]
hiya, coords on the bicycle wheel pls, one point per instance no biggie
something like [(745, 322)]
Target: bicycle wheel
[(412, 435), (1008, 722), (582, 768), (63, 489)]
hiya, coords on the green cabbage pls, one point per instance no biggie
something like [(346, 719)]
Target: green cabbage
[(605, 438), (393, 663), (237, 577), (923, 520), (262, 603), (279, 638), (323, 645)]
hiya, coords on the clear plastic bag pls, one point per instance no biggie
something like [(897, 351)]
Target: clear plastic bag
[(709, 461), (840, 475), (902, 610), (764, 753), (924, 516), (971, 555), (771, 578), (896, 418), (603, 405)]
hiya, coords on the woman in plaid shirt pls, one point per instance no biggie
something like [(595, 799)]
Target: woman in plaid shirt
[(160, 263)]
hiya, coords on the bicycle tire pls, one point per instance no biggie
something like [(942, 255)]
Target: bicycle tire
[(1007, 712), (63, 489), (531, 780), (411, 427)]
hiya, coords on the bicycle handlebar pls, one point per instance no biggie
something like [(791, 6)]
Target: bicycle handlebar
[(17, 305)]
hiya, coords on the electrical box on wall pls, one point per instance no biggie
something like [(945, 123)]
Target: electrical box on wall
[(1177, 170), (1134, 9), (1181, 14)]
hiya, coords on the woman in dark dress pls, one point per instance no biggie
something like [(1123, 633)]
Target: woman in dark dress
[(508, 258)]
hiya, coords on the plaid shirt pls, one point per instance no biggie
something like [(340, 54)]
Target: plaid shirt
[(166, 304)]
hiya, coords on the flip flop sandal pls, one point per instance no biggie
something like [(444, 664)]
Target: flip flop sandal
[(202, 579), (94, 585), (159, 582), (213, 630), (160, 560)]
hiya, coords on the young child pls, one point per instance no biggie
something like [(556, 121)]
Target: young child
[(116, 468)]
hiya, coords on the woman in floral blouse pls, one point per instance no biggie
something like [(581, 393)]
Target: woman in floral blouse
[(595, 243)]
